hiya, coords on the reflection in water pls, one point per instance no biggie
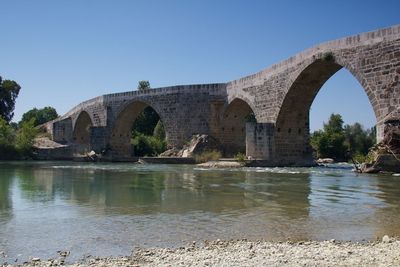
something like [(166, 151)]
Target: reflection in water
[(6, 175), (279, 193), (389, 193), (107, 209)]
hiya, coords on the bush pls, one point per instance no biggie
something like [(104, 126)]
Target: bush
[(159, 131), (25, 137), (7, 141), (328, 56), (207, 156), (16, 144), (144, 145), (241, 157), (40, 115), (359, 157)]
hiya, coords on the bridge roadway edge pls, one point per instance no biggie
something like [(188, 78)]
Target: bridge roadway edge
[(372, 57)]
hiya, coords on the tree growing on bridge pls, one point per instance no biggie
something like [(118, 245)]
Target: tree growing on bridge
[(143, 85), (9, 91)]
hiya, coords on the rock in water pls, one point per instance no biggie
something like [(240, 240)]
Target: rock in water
[(325, 161), (385, 156)]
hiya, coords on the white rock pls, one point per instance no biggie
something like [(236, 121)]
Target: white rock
[(386, 239)]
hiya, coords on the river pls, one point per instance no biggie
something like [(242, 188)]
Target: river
[(106, 209)]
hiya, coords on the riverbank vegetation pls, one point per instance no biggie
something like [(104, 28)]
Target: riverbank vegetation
[(16, 143), (148, 134), (342, 142), (16, 139), (40, 116), (206, 156)]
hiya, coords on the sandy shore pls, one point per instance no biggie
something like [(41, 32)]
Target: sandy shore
[(247, 253)]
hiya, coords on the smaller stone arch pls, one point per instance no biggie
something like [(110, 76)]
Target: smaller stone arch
[(82, 130), (120, 139), (233, 126)]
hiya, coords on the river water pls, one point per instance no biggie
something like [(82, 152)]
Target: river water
[(110, 208)]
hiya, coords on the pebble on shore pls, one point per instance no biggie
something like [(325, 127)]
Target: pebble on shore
[(255, 253)]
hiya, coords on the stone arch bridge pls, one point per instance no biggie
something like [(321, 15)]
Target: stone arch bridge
[(279, 96)]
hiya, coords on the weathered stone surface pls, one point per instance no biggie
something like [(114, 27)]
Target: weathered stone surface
[(387, 162), (198, 144), (280, 95)]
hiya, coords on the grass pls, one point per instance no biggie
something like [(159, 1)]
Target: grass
[(207, 156), (241, 157)]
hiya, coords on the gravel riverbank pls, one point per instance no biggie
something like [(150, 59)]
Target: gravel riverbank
[(247, 253)]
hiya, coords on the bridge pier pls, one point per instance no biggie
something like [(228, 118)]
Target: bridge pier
[(279, 97), (99, 139), (260, 141)]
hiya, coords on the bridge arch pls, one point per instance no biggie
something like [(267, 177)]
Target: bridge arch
[(120, 139), (292, 130), (233, 126), (82, 130)]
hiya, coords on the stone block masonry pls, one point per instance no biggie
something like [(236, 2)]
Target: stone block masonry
[(279, 97)]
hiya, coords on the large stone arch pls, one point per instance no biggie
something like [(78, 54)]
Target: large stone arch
[(292, 122), (233, 126), (121, 129), (82, 130)]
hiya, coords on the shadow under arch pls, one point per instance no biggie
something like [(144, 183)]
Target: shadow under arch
[(292, 128), (82, 130), (233, 127), (120, 139)]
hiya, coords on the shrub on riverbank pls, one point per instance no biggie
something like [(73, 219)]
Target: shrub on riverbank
[(148, 134), (147, 145), (342, 142), (207, 156), (16, 143), (241, 157)]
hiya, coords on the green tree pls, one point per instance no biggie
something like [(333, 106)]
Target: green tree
[(146, 145), (159, 131), (148, 135), (40, 116), (7, 140), (143, 85), (146, 121), (329, 143), (359, 141), (335, 124), (25, 137), (335, 140), (9, 91)]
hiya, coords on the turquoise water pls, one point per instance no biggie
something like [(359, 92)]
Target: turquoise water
[(111, 208)]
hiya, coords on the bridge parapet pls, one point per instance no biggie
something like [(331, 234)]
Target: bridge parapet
[(279, 96)]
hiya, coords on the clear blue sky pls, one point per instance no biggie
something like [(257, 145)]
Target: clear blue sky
[(65, 52)]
